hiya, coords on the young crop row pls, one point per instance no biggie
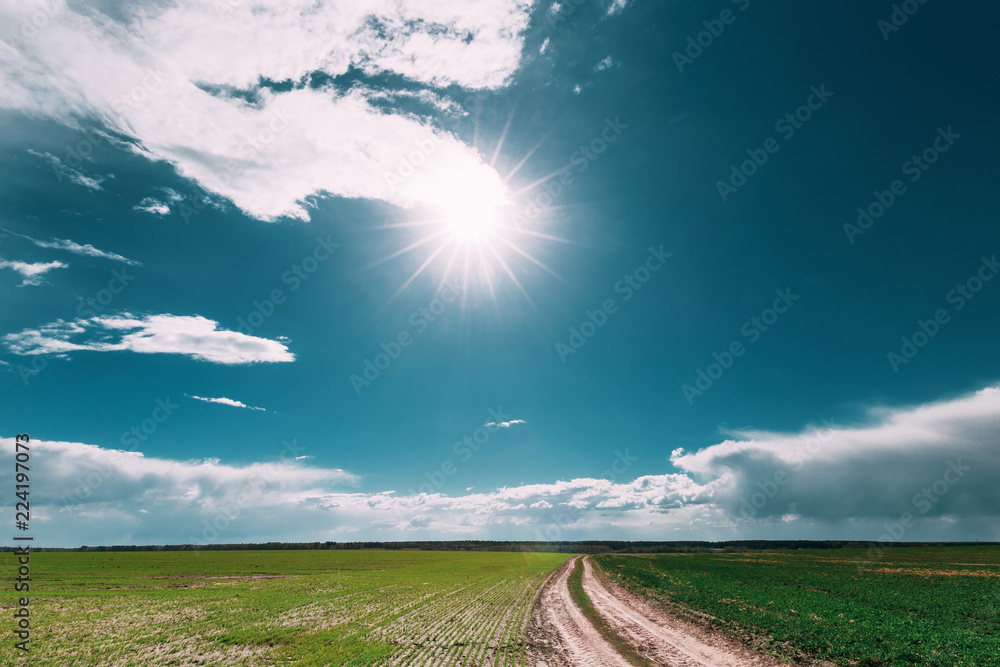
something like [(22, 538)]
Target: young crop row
[(481, 627), (315, 609), (895, 607)]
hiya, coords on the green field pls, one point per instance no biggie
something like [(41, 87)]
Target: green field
[(279, 607), (931, 606)]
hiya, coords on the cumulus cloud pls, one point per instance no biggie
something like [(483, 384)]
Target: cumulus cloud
[(183, 81), (936, 460), (111, 496), (837, 482), (194, 336), (85, 249), (95, 495), (32, 273), (227, 401)]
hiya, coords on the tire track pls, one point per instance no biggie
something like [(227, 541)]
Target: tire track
[(661, 638), (578, 641)]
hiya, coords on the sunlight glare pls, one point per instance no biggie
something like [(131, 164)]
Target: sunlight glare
[(469, 204)]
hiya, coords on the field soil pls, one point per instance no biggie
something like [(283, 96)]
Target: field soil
[(561, 636)]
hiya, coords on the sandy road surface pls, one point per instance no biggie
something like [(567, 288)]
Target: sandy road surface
[(562, 636), (571, 638)]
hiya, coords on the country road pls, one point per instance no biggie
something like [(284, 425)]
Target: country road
[(564, 637)]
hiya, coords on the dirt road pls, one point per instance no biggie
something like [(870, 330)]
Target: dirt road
[(561, 636)]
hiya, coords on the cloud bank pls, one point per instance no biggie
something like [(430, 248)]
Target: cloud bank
[(837, 483), (935, 460)]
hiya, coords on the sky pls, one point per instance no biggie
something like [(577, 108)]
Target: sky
[(599, 269)]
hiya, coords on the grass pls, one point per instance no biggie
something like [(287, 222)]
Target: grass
[(310, 608), (582, 600), (928, 606)]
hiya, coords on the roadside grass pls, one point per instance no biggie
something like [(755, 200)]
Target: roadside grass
[(582, 600)]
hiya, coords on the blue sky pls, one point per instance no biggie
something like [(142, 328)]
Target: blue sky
[(501, 270)]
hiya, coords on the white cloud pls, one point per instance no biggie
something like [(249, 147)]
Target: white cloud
[(172, 195), (604, 64), (617, 7), (153, 206), (94, 495), (227, 401), (85, 249), (505, 424), (193, 336), (544, 47), (108, 496), (62, 170), (31, 272), (871, 472), (156, 78), (842, 483)]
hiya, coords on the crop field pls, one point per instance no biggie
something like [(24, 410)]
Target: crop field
[(281, 607), (930, 606)]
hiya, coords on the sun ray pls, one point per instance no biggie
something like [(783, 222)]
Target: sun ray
[(447, 269), (512, 276), (531, 259), (548, 237), (422, 267), (413, 246), (524, 160), (534, 184), (503, 137), (489, 276), (424, 222)]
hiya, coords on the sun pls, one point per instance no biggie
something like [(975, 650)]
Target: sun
[(466, 224), (474, 213)]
